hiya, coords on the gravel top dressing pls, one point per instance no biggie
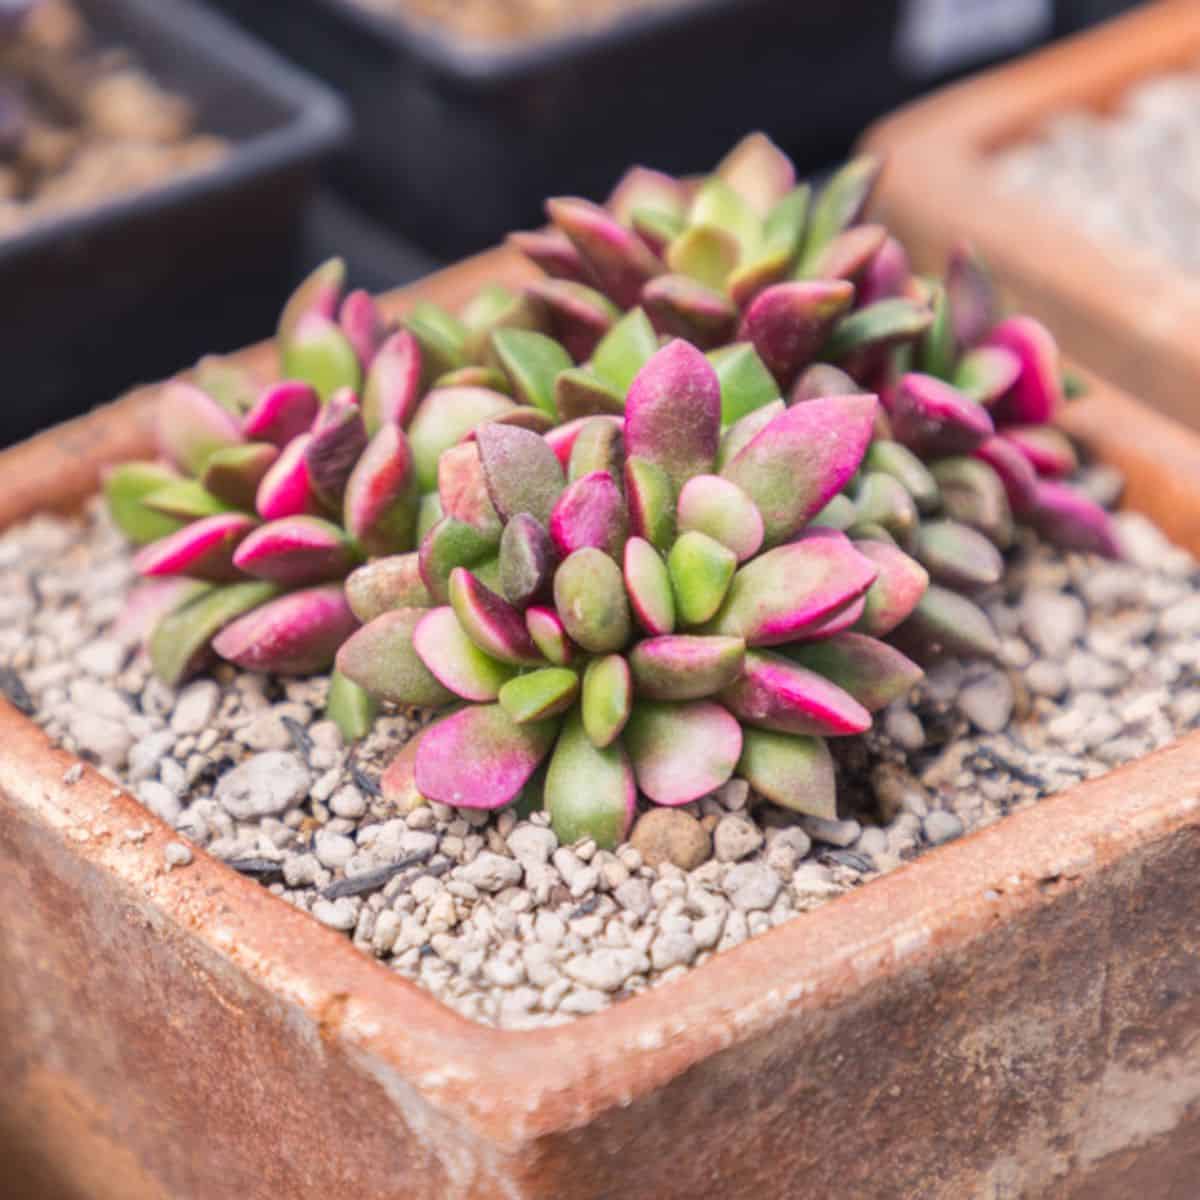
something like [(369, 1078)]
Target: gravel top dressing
[(487, 911), (1132, 174)]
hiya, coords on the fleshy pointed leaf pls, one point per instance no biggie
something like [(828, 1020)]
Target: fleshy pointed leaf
[(387, 583), (897, 589), (286, 489), (682, 750), (491, 378), (840, 204), (820, 380), (891, 458), (590, 512), (1048, 449), (705, 253), (552, 252), (789, 323), (549, 635), (454, 660), (871, 671), (642, 187), (957, 555), (522, 473), (744, 430), (759, 172), (493, 624), (607, 699), (773, 692), (360, 320), (580, 393), (793, 771), (1069, 519), (296, 634), (624, 350), (191, 426), (746, 384), (974, 304), (186, 500), (463, 490), (878, 326), (717, 205), (527, 560), (539, 694), (532, 361), (673, 412), (338, 438), (719, 508), (150, 601), (682, 307), (935, 419), (589, 597), (444, 418), (202, 550), (774, 597), (495, 308), (393, 384), (226, 381), (685, 667), (946, 623), (805, 456), (850, 254), (973, 494), (295, 552), (1037, 394), (589, 792), (579, 316), (600, 446), (449, 544), (884, 501), (126, 487), (616, 256), (320, 354), (350, 707), (886, 276), (382, 658), (701, 570), (650, 497), (986, 373), (648, 584), (1013, 469), (282, 411), (441, 337), (319, 293), (234, 473)]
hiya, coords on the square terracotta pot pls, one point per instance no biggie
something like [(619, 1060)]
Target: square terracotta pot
[(1014, 1014), (1116, 307)]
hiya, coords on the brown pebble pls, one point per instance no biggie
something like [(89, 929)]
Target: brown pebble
[(668, 835)]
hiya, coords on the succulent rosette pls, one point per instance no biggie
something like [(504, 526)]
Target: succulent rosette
[(640, 604)]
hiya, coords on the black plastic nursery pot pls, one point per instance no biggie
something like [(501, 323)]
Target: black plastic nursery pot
[(457, 143), (97, 300)]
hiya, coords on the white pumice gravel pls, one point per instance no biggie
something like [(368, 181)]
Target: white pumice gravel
[(1101, 664)]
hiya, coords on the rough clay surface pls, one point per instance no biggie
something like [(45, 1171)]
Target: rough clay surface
[(490, 913)]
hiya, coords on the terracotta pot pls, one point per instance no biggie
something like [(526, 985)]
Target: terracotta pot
[(1116, 307), (1015, 1014)]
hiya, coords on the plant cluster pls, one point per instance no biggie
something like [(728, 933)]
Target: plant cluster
[(694, 501)]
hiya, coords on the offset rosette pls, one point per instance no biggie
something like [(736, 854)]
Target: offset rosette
[(640, 605)]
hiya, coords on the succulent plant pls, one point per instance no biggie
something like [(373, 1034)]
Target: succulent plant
[(264, 499), (640, 604)]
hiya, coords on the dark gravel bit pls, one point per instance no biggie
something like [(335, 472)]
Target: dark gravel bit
[(373, 880), (15, 692)]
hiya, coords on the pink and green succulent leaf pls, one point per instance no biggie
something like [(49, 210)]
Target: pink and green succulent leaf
[(191, 426), (126, 488), (579, 316), (296, 552), (974, 305), (398, 782), (320, 354), (870, 671), (494, 625), (455, 661), (527, 560), (839, 205), (896, 591), (775, 597), (717, 205), (1037, 394), (185, 500), (648, 584), (643, 187), (681, 750), (532, 361), (795, 465), (150, 601), (552, 252), (590, 512), (933, 418), (746, 384), (387, 583), (706, 253), (679, 306), (607, 699), (945, 622), (791, 770), (590, 599), (685, 666), (775, 692), (624, 350), (522, 416), (590, 791), (650, 499), (382, 658), (673, 412), (973, 494), (986, 373), (958, 556), (233, 474), (850, 254), (297, 634), (580, 393), (701, 570), (350, 707), (281, 412), (286, 489), (898, 461), (521, 471), (882, 500), (719, 508), (744, 430), (479, 757), (937, 351), (820, 380), (181, 642), (338, 439), (886, 275), (449, 544), (615, 255), (788, 323), (759, 172), (320, 293), (1073, 521), (839, 513), (360, 320), (1049, 450), (226, 381), (782, 234), (444, 418), (1013, 469), (463, 491), (845, 616), (549, 635), (474, 375), (658, 229), (599, 446), (494, 309), (540, 694), (393, 384), (441, 337), (877, 326), (202, 550)]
